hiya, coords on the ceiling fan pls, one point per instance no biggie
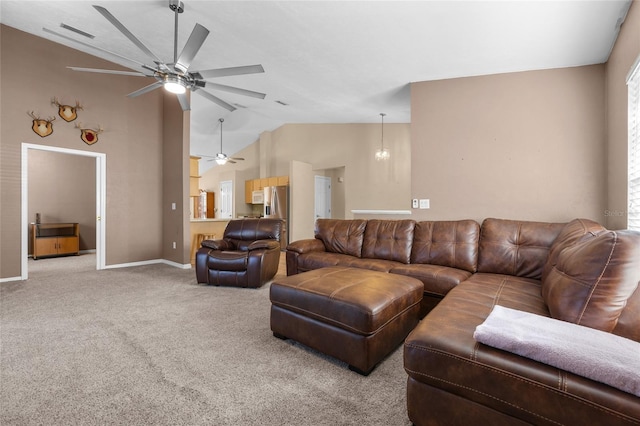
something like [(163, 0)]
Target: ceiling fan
[(175, 77), (220, 157)]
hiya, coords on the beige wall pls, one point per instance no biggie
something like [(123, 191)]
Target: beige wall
[(301, 220), (368, 184), (527, 145), (623, 56), (175, 182), (62, 188), (32, 71), (333, 150)]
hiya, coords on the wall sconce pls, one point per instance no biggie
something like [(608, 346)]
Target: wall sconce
[(383, 153)]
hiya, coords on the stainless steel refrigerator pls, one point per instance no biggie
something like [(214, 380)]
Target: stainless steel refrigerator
[(276, 206)]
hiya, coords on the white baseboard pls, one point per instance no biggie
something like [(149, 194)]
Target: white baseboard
[(6, 280), (149, 262)]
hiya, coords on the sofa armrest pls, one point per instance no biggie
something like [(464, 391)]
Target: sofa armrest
[(306, 246), (264, 244), (216, 244)]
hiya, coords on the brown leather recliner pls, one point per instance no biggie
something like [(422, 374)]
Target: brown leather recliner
[(247, 255)]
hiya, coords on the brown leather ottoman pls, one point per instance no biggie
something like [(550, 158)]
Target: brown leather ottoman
[(355, 315)]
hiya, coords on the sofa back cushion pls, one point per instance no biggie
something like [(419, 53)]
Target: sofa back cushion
[(240, 233), (341, 236), (447, 243), (571, 233), (517, 248), (592, 280), (388, 239)]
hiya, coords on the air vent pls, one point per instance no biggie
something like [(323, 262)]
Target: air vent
[(77, 31)]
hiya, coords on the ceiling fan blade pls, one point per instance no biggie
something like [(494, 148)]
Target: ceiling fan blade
[(229, 160), (146, 89), (236, 90), (100, 49), (191, 48), (237, 158), (224, 72), (101, 71), (184, 102), (126, 32), (216, 100)]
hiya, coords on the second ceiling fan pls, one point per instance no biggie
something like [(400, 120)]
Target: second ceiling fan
[(222, 158), (175, 77)]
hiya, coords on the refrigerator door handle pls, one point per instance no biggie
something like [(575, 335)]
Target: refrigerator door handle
[(274, 198)]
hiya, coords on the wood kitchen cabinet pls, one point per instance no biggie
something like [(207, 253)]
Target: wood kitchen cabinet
[(194, 178), (248, 189), (55, 239), (260, 184)]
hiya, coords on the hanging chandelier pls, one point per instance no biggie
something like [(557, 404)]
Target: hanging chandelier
[(383, 153)]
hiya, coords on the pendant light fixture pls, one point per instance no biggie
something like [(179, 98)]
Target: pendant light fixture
[(221, 158), (383, 153)]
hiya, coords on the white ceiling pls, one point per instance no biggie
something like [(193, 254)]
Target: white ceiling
[(334, 61)]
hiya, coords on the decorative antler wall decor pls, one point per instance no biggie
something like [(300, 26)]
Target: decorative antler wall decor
[(41, 126), (67, 112), (89, 136)]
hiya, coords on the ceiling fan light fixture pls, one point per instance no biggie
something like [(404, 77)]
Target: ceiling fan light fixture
[(221, 161), (175, 84)]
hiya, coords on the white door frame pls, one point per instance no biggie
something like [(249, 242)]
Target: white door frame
[(101, 200)]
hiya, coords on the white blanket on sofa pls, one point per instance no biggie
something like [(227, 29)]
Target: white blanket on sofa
[(591, 353)]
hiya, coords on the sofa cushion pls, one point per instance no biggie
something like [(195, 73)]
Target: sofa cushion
[(341, 236), (388, 239), (239, 234), (571, 233), (446, 243), (437, 280), (591, 281), (517, 248)]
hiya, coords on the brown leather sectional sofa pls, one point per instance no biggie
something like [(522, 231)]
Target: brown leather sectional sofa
[(578, 272)]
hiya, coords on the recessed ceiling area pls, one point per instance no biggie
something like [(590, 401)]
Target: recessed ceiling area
[(333, 61)]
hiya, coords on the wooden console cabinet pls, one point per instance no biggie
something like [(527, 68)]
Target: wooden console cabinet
[(55, 239)]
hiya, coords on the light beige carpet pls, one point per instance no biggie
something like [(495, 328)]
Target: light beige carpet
[(148, 345)]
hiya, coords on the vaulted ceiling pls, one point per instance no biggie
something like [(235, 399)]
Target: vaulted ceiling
[(333, 61)]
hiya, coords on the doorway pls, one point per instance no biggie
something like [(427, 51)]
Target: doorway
[(226, 199), (322, 197), (100, 201)]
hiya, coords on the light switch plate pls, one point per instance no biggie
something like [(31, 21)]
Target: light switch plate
[(424, 203), (414, 203)]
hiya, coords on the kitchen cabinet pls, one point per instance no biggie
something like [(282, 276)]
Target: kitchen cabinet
[(259, 184), (55, 239), (194, 178), (248, 189)]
